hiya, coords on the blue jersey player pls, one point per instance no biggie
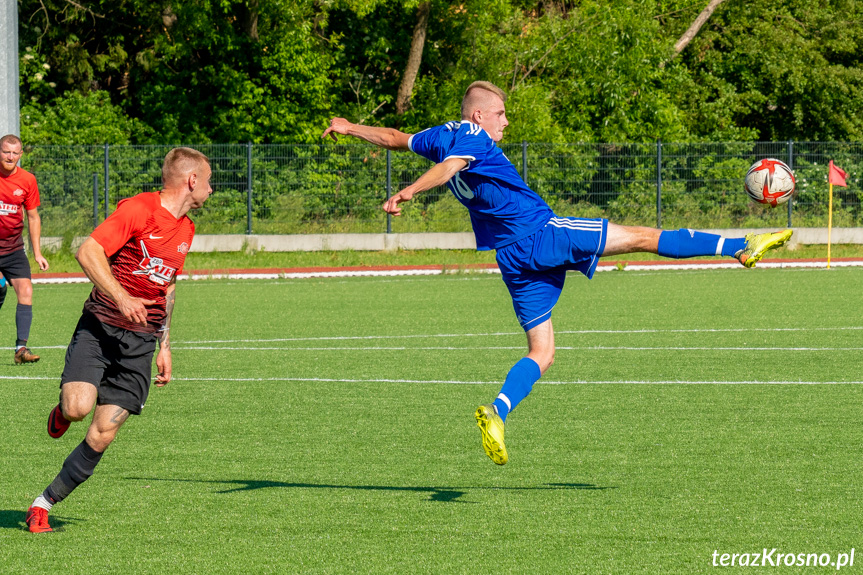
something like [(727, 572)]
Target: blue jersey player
[(535, 247)]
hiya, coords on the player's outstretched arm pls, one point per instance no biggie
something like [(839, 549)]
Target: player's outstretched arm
[(437, 175), (91, 256), (384, 137)]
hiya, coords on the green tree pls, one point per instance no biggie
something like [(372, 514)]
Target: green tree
[(211, 78), (774, 71), (192, 70), (276, 70), (76, 118)]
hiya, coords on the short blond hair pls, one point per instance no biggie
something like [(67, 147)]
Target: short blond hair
[(179, 162), (474, 94)]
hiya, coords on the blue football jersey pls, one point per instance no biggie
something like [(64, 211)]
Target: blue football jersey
[(502, 208)]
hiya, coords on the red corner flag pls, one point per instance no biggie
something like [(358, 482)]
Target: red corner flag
[(836, 176)]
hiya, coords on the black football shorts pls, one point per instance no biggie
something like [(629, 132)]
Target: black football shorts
[(117, 361), (15, 265)]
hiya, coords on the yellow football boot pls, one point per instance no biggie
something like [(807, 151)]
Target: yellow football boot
[(491, 426), (759, 244)]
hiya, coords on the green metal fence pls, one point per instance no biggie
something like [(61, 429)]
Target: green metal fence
[(327, 188)]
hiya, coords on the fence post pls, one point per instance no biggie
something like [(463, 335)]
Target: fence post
[(389, 189), (248, 188), (107, 203), (524, 161), (95, 200), (659, 184), (790, 165)]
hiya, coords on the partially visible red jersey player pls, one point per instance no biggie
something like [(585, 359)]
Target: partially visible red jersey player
[(19, 195), (133, 259)]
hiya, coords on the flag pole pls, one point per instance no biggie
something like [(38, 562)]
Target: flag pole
[(835, 175), (829, 223)]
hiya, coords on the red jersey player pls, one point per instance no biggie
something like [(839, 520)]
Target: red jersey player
[(19, 194), (133, 259)]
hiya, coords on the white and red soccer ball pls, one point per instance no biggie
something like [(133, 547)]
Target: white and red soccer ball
[(770, 182)]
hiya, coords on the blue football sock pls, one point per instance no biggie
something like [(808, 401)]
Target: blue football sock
[(733, 246), (519, 382), (684, 243)]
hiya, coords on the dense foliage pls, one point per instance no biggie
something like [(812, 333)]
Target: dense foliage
[(274, 71)]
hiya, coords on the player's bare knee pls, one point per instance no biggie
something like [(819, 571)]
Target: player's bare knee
[(24, 292), (75, 411), (648, 239), (630, 239), (75, 407)]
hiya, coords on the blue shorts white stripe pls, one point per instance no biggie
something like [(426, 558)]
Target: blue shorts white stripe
[(576, 224), (534, 268)]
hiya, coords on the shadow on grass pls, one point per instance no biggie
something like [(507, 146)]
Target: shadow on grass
[(444, 494), (14, 519)]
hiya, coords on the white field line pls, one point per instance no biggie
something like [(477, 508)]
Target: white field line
[(426, 272), (729, 265), (180, 347), (521, 334), (294, 275), (488, 348), (458, 382), (208, 344)]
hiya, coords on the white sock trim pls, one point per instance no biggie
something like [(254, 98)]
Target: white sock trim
[(43, 503), (719, 245), (505, 399)]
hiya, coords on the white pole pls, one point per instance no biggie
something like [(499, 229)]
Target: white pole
[(829, 223), (10, 115)]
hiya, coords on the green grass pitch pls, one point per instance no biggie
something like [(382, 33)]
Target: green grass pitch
[(325, 426)]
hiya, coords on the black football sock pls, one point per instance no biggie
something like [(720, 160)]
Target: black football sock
[(76, 469), (23, 320)]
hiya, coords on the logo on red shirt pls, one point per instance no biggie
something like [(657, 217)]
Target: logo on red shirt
[(154, 268), (18, 192), (6, 209), (183, 248)]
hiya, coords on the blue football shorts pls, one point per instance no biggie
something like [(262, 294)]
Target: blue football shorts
[(534, 268)]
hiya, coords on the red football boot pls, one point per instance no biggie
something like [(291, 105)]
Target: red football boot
[(37, 520), (57, 424)]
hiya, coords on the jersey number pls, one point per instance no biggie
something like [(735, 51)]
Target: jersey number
[(460, 189)]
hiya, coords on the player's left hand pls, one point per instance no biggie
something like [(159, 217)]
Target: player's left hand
[(43, 263), (163, 364), (391, 206)]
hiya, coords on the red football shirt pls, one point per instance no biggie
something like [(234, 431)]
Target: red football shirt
[(18, 192), (146, 246)]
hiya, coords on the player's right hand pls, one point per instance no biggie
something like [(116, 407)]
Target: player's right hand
[(337, 126), (134, 309)]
